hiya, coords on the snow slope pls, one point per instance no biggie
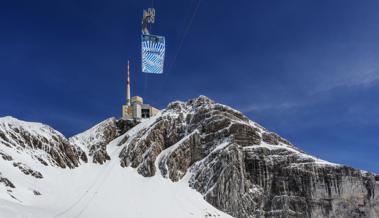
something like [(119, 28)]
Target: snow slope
[(96, 191)]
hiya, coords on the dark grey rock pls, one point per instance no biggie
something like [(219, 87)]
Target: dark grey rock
[(27, 170), (6, 157), (6, 182), (97, 138)]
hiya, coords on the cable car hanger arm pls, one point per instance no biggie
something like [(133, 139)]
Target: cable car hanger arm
[(147, 18)]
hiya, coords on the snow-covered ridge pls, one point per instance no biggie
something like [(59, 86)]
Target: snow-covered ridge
[(94, 135), (93, 190), (190, 159), (187, 132), (14, 126), (201, 119), (41, 142), (94, 141)]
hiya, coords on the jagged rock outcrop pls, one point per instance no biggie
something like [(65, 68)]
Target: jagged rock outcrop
[(43, 143), (245, 170), (6, 182), (5, 156), (27, 170), (94, 141)]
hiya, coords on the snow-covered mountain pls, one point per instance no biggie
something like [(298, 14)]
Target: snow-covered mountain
[(194, 159)]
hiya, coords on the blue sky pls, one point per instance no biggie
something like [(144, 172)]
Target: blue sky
[(308, 70)]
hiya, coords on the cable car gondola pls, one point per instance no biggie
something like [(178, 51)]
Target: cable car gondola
[(153, 46)]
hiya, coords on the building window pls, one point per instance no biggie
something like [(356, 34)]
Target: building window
[(145, 113)]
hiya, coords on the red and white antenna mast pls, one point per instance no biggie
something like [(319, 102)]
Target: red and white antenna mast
[(128, 86)]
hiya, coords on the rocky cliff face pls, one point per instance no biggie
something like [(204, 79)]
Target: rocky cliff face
[(41, 142), (94, 141), (245, 170), (238, 166)]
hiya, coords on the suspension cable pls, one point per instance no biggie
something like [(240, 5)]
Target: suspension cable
[(181, 42), (186, 31)]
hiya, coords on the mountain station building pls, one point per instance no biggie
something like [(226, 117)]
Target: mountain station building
[(134, 107), (137, 109)]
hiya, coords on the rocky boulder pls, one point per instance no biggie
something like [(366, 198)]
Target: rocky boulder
[(6, 182), (27, 170)]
